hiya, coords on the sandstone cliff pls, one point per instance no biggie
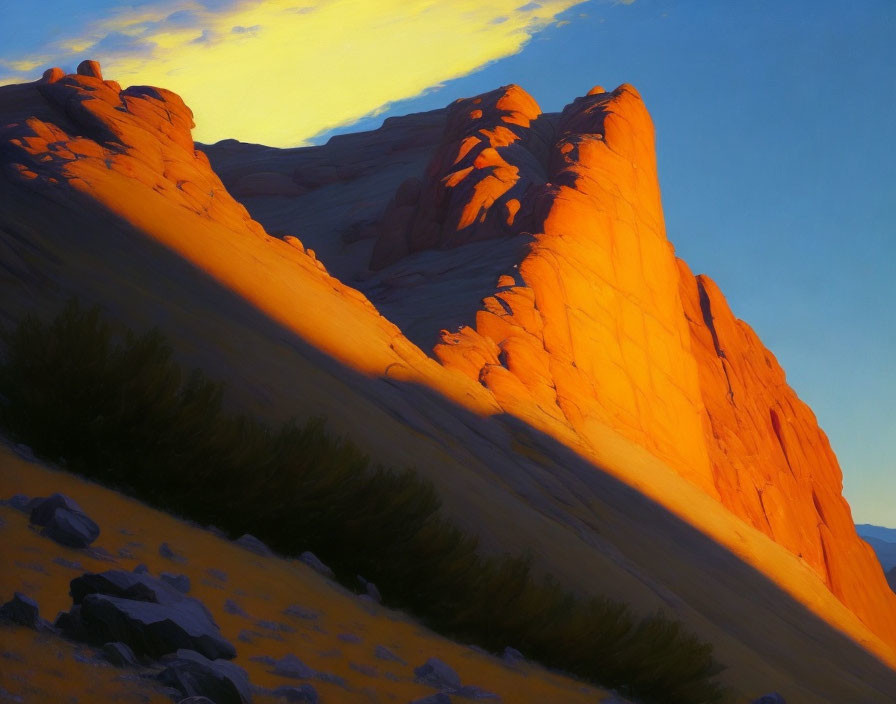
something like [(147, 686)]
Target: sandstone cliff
[(591, 402)]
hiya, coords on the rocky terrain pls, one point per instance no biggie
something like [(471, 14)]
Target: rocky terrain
[(485, 292), (205, 616)]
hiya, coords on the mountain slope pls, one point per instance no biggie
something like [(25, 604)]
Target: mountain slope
[(104, 196)]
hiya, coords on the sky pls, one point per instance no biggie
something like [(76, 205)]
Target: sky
[(774, 125)]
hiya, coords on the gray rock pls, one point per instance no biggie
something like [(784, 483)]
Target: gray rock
[(231, 607), (301, 612), (166, 551), (21, 610), (63, 521), (773, 698), (303, 693), (512, 655), (141, 569), (437, 674), (20, 502), (219, 575), (370, 589), (253, 544), (179, 581), (310, 559), (194, 675), (146, 613), (383, 653), (42, 509), (120, 654), (440, 698), (72, 565), (264, 660), (291, 666), (366, 670), (349, 638), (247, 636)]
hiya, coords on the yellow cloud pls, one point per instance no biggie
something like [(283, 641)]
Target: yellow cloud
[(280, 71)]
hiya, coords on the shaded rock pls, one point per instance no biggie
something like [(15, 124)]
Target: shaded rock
[(146, 613), (469, 691), (303, 693), (301, 612), (264, 659), (196, 700), (70, 564), (120, 654), (192, 674), (179, 581), (310, 559), (90, 68), (22, 610), (437, 673), (512, 655), (253, 544), (290, 666), (231, 607), (366, 670), (166, 551), (219, 575), (247, 636), (141, 569), (19, 502), (370, 589), (773, 698), (349, 638), (383, 653), (63, 521)]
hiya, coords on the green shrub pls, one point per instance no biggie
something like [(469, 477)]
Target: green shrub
[(117, 408)]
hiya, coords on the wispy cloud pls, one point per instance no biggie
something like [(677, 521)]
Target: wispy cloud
[(281, 71)]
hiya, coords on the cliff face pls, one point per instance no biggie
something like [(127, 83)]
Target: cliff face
[(585, 368), (600, 323)]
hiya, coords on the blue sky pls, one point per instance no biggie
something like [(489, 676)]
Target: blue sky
[(774, 133)]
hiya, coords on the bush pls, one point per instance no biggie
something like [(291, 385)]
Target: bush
[(117, 408)]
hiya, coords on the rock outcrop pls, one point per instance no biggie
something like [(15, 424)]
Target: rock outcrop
[(601, 406)]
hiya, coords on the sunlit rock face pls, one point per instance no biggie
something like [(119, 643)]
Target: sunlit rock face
[(599, 323)]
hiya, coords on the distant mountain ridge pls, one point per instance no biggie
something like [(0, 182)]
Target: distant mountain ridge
[(867, 530), (883, 540)]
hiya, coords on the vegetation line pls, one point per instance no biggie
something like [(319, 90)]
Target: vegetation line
[(118, 409)]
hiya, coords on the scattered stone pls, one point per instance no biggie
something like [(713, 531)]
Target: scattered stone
[(330, 678), (219, 575), (146, 613), (253, 544), (167, 552), (512, 655), (303, 693), (247, 636), (193, 675), (437, 674), (21, 610), (349, 638), (310, 559), (179, 581), (383, 653), (141, 569), (98, 553), (19, 502), (773, 698), (231, 607), (71, 564), (264, 660), (469, 691), (291, 666), (363, 669), (370, 589), (301, 612), (275, 626), (63, 521), (120, 654)]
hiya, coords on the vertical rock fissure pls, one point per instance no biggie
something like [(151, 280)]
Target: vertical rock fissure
[(706, 310), (776, 427)]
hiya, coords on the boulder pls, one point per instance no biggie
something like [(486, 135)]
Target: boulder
[(21, 610), (166, 551), (19, 502), (119, 654), (437, 674), (290, 666), (383, 653), (194, 675), (90, 68), (310, 559), (145, 613), (253, 544), (370, 589), (512, 655)]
